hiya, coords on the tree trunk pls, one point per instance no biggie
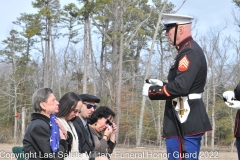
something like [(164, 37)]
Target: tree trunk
[(86, 54), (119, 86), (101, 69), (15, 112), (114, 56), (47, 49), (92, 61), (213, 112), (23, 121), (159, 136), (55, 74), (207, 104)]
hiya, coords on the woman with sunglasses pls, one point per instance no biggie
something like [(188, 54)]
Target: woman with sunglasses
[(103, 130)]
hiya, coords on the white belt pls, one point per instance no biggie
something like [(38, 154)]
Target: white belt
[(192, 96), (195, 96)]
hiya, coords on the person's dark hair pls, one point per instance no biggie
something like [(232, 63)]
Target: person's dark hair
[(67, 103), (40, 95), (101, 112)]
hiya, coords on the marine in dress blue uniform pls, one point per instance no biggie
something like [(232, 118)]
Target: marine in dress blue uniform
[(186, 79), (232, 99)]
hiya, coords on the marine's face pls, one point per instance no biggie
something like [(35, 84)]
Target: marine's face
[(170, 34)]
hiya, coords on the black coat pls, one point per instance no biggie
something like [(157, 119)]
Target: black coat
[(237, 120), (187, 75), (84, 144), (36, 142)]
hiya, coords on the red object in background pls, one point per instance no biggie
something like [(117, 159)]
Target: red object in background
[(16, 115)]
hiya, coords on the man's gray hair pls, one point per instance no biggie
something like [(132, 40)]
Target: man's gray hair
[(40, 95)]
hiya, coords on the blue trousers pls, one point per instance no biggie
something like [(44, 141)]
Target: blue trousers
[(238, 147), (192, 144)]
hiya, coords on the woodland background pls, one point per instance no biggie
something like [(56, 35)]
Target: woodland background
[(107, 48)]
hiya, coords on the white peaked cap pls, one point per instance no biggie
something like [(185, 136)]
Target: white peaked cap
[(176, 18)]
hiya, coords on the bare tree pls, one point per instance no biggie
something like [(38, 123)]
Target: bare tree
[(139, 135), (216, 58)]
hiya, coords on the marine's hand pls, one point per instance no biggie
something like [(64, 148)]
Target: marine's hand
[(145, 89), (156, 82), (233, 104), (229, 95)]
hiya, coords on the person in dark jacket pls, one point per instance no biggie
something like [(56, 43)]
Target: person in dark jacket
[(232, 99), (36, 142), (185, 117), (103, 130), (85, 138)]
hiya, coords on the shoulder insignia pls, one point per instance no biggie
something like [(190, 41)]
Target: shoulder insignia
[(183, 64)]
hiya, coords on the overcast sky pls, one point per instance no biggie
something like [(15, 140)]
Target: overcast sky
[(210, 13)]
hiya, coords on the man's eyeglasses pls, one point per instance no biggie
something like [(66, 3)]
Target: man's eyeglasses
[(109, 122), (89, 106)]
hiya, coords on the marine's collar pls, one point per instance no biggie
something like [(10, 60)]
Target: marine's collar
[(184, 42)]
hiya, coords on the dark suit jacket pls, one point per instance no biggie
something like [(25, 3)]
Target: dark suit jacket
[(83, 139), (36, 140)]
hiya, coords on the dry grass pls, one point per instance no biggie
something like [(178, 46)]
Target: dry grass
[(146, 153)]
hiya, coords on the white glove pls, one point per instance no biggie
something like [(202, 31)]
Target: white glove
[(233, 104), (229, 95), (145, 89), (156, 82)]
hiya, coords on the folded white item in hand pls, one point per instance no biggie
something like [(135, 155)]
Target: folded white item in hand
[(233, 104), (156, 82), (145, 89)]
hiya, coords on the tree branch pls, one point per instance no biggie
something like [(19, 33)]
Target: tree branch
[(137, 28), (180, 6), (98, 27)]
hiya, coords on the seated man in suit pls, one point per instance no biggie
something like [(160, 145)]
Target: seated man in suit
[(85, 138)]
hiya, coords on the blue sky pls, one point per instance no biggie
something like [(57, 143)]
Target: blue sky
[(210, 13), (11, 9)]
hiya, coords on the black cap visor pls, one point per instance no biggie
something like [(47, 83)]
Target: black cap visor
[(169, 26)]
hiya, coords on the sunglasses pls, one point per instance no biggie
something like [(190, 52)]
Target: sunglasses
[(89, 106), (109, 122)]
